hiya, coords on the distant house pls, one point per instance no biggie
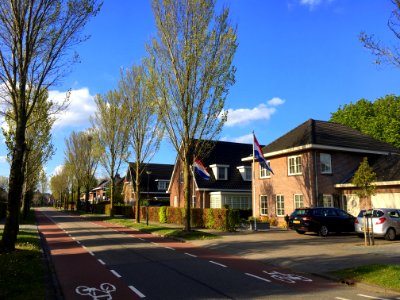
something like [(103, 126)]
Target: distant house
[(99, 193), (154, 182), (230, 182), (313, 165)]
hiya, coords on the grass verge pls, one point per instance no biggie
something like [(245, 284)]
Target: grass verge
[(22, 270), (157, 229), (386, 276)]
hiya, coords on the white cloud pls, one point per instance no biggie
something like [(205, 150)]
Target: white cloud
[(243, 116), (81, 107), (247, 139), (314, 3), (3, 159), (57, 170)]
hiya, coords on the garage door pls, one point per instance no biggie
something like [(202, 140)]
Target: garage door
[(389, 200)]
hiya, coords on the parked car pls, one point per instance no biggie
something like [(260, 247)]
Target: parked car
[(385, 222), (321, 220)]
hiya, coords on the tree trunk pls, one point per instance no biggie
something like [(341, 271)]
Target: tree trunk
[(137, 193), (27, 204), (186, 187), (112, 197), (16, 180)]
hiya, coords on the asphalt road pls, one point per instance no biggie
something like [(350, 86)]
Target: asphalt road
[(146, 266)]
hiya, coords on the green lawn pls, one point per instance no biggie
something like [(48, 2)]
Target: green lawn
[(386, 276), (21, 271)]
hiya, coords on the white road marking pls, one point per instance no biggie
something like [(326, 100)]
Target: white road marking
[(115, 273), (78, 242), (142, 239), (83, 246), (258, 277), (218, 264), (102, 262), (91, 253), (154, 243), (192, 255), (340, 298), (372, 297), (169, 248), (73, 238), (136, 291)]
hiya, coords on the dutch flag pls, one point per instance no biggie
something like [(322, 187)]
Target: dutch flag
[(258, 154), (201, 170)]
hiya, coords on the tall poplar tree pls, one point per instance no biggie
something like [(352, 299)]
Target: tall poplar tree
[(145, 129), (111, 125), (192, 71), (36, 37)]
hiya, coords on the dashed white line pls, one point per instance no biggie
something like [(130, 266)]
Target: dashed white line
[(371, 297), (78, 242), (340, 298), (169, 248), (142, 239), (136, 291), (102, 262), (218, 264), (115, 273), (91, 253), (192, 255), (258, 277)]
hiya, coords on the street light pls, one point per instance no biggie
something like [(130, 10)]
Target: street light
[(148, 172)]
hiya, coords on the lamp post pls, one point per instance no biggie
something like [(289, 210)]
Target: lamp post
[(148, 172)]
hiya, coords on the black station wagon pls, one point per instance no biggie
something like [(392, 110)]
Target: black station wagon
[(321, 220)]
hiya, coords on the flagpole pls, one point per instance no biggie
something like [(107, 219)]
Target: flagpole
[(254, 187)]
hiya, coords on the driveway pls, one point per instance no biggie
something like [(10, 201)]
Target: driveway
[(308, 253)]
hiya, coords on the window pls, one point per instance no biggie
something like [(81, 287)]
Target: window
[(162, 185), (326, 164), (264, 173), (263, 205), (294, 165), (245, 172), (220, 171), (298, 201), (280, 205), (327, 201)]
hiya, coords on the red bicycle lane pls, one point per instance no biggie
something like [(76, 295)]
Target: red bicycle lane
[(80, 275)]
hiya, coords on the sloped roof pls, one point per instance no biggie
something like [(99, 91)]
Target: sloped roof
[(329, 134), (226, 153), (157, 172)]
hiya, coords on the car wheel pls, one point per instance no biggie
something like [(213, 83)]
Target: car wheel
[(323, 231), (390, 234), (300, 231)]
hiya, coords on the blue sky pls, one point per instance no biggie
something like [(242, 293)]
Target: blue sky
[(297, 59)]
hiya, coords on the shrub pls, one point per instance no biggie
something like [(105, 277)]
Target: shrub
[(162, 214)]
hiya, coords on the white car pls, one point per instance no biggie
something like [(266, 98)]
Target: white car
[(385, 222)]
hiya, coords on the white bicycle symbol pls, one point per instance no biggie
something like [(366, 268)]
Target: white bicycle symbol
[(288, 278), (104, 293)]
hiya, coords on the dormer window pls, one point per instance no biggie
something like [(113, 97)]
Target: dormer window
[(245, 172), (220, 171), (162, 185)]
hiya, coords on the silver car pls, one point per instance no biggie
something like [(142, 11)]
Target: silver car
[(385, 222)]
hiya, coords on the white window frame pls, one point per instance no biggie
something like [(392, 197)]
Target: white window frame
[(325, 163), (162, 185), (246, 172), (327, 200), (216, 170), (263, 209), (295, 162), (265, 173), (296, 198), (280, 205)]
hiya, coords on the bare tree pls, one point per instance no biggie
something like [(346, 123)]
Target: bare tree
[(36, 37), (111, 126), (145, 127), (383, 53), (192, 72)]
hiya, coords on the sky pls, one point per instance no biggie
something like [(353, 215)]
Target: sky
[(296, 60)]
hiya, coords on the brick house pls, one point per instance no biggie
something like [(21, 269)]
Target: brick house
[(154, 182), (230, 182), (313, 165)]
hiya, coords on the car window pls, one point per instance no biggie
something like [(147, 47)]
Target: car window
[(361, 214), (301, 212), (342, 213), (317, 212), (374, 213), (394, 214), (328, 212)]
